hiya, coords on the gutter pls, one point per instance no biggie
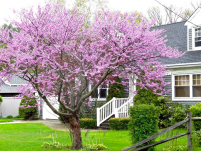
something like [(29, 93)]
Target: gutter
[(183, 65)]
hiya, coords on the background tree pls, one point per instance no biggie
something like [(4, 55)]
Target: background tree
[(168, 15), (59, 58), (116, 90)]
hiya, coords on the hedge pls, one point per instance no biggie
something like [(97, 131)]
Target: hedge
[(143, 122), (119, 123), (87, 123)]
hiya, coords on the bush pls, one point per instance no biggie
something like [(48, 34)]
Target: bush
[(116, 90), (31, 112), (9, 117), (148, 97), (95, 147), (55, 146), (177, 148), (196, 139), (145, 97), (1, 99), (196, 112), (87, 123), (119, 123), (178, 114), (18, 116), (143, 123)]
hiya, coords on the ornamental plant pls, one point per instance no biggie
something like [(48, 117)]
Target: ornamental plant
[(28, 108), (143, 123), (59, 57), (1, 99), (116, 90)]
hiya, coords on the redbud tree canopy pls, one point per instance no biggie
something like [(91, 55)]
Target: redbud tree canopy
[(58, 56)]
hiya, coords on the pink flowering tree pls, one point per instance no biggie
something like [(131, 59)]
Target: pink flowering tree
[(59, 58)]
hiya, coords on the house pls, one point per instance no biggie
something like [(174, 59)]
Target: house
[(184, 73), (10, 104), (8, 90)]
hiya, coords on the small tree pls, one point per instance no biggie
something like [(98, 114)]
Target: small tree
[(61, 57), (28, 108), (116, 90)]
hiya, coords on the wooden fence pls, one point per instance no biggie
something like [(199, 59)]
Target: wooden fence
[(189, 133)]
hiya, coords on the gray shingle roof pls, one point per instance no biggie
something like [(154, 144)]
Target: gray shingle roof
[(17, 80), (5, 88), (177, 38), (8, 89)]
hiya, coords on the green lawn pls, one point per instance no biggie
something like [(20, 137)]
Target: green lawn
[(30, 137), (5, 120), (9, 119)]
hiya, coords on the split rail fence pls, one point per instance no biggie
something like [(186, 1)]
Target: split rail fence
[(188, 133)]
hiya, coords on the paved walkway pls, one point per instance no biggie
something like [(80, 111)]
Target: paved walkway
[(53, 124)]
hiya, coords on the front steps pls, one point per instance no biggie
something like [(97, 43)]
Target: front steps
[(105, 124)]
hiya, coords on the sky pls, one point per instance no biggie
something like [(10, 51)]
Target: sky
[(6, 11)]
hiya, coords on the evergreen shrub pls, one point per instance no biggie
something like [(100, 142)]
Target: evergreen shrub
[(31, 112), (119, 123), (178, 113), (196, 112), (87, 123), (1, 99), (143, 123), (116, 90)]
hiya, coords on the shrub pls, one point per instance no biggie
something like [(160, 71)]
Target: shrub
[(196, 112), (143, 123), (95, 147), (9, 117), (18, 116), (145, 96), (119, 123), (116, 90), (196, 139), (1, 99), (87, 123), (31, 112), (55, 146), (176, 148), (178, 114), (148, 97)]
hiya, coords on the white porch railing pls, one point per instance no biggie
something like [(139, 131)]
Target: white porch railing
[(123, 111), (111, 108)]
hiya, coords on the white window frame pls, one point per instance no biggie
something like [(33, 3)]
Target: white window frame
[(193, 40), (99, 99), (191, 98)]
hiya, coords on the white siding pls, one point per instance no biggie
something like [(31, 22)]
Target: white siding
[(10, 106)]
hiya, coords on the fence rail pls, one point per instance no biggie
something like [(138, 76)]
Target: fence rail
[(189, 133)]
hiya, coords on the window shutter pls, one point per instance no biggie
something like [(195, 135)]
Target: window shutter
[(190, 39)]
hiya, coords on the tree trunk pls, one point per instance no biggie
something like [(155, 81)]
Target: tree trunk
[(77, 139)]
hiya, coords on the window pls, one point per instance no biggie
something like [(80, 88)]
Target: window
[(182, 86), (197, 37), (188, 86), (197, 85), (100, 93)]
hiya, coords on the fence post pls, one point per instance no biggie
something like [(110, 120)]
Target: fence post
[(189, 130)]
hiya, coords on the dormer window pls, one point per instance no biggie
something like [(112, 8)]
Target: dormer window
[(197, 37)]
